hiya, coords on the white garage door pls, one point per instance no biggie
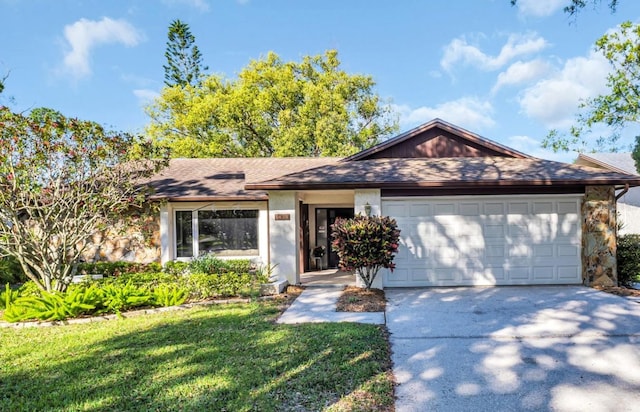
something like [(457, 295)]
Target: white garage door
[(486, 240)]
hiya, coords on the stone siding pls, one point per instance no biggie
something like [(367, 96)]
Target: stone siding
[(130, 240), (599, 267)]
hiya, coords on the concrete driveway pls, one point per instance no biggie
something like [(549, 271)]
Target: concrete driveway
[(532, 348)]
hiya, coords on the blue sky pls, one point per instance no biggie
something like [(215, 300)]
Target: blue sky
[(506, 73)]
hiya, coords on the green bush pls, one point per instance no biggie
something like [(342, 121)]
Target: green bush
[(118, 298), (147, 280), (116, 268), (55, 306), (165, 295), (210, 263), (8, 296), (628, 255), (366, 244), (11, 271), (176, 267), (29, 289)]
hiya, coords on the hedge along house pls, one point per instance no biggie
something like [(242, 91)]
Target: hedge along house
[(471, 211)]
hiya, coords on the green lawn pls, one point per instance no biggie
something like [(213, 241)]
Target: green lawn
[(218, 358)]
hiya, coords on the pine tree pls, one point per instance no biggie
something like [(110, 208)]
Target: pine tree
[(184, 60)]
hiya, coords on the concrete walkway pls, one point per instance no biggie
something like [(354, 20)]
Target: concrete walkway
[(318, 304)]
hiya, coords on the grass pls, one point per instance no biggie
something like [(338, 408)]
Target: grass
[(224, 358)]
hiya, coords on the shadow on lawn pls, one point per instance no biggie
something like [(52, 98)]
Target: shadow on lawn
[(543, 348), (210, 359)]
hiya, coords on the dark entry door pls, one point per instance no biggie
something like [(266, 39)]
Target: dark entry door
[(325, 217)]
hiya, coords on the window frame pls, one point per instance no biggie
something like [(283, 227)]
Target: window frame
[(195, 208)]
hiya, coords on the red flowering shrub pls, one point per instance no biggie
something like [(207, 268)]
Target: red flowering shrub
[(366, 244)]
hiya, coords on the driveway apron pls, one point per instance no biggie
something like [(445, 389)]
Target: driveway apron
[(556, 348)]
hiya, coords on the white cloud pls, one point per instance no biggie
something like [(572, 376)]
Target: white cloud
[(84, 35), (555, 100), (534, 148), (201, 5), (468, 112), (145, 96), (460, 51), (522, 72), (540, 8)]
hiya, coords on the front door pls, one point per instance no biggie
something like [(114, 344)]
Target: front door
[(325, 218)]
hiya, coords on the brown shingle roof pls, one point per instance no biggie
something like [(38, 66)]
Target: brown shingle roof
[(446, 173), (224, 179)]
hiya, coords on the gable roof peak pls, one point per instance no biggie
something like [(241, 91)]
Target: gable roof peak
[(469, 138)]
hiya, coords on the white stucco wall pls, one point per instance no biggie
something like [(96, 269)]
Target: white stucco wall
[(284, 235), (370, 196), (629, 216)]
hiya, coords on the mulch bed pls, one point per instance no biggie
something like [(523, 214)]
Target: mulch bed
[(354, 299), (619, 290)]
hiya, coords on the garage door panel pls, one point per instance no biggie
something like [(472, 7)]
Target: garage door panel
[(494, 208), (420, 210), (491, 241)]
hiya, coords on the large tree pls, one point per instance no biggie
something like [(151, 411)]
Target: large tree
[(61, 181), (273, 108), (184, 60)]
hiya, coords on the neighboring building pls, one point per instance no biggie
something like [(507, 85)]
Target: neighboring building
[(471, 211), (629, 201)]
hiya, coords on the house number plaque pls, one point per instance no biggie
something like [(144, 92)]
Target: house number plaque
[(283, 216)]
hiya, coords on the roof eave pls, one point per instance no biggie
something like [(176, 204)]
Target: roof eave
[(602, 164), (440, 184), (217, 198)]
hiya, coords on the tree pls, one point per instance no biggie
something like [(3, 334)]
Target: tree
[(576, 6), (616, 109), (365, 244), (184, 60), (273, 108), (62, 180)]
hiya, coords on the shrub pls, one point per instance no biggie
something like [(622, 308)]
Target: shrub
[(55, 306), (210, 263), (165, 295), (11, 271), (628, 256), (148, 280), (118, 298), (116, 268), (176, 267), (365, 244), (8, 296)]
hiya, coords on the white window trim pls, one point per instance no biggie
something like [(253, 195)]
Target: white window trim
[(194, 207)]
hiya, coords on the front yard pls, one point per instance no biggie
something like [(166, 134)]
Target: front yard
[(230, 357)]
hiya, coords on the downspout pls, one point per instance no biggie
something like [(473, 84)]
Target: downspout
[(624, 191)]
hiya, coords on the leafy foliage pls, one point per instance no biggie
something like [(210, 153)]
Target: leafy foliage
[(184, 60), (119, 292), (61, 180), (8, 296), (176, 267), (55, 306), (165, 295), (628, 255), (119, 298), (576, 6), (366, 244), (11, 271), (210, 263), (117, 268), (273, 108), (616, 109)]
